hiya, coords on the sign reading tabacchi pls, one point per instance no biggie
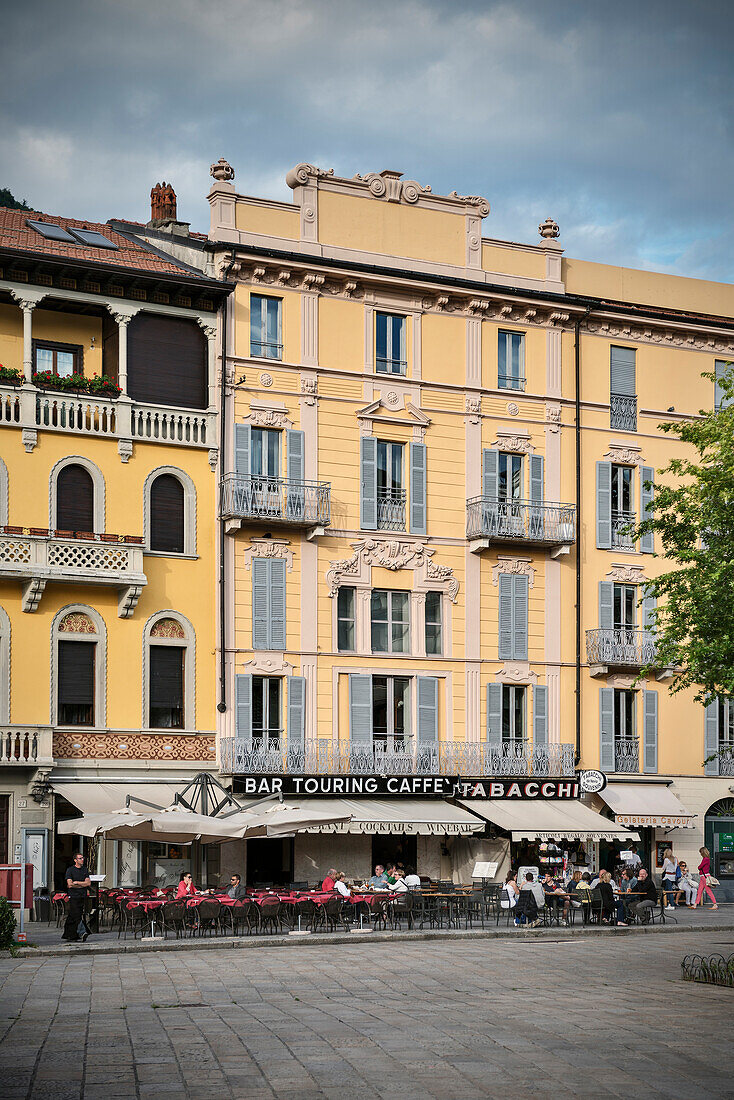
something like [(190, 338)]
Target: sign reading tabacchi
[(437, 786)]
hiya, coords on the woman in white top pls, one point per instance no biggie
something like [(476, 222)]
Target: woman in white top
[(510, 892), (340, 885), (400, 886), (687, 885), (670, 866), (412, 880)]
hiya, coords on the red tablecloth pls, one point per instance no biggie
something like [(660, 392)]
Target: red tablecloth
[(60, 897)]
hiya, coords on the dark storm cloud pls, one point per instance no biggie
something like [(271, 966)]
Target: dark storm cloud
[(614, 118)]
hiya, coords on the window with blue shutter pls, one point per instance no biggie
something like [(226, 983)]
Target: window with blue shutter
[(295, 458), (711, 738), (604, 505), (360, 709), (268, 603), (606, 730), (243, 708), (296, 716), (368, 484), (494, 714), (427, 710), (647, 476), (606, 605), (242, 448), (490, 457), (650, 731), (418, 488), (540, 715), (721, 401), (513, 617), (623, 392), (537, 522)]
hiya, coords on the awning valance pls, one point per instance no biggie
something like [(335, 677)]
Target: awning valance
[(552, 819), (102, 797), (646, 804), (428, 817)]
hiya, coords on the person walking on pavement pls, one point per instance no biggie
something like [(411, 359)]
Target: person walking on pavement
[(704, 873), (77, 883)]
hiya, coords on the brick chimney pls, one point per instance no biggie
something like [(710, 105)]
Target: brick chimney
[(163, 214)]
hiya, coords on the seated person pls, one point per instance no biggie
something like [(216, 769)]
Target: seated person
[(531, 898), (391, 873), (236, 889), (412, 880), (328, 884), (186, 886), (687, 885), (551, 889), (379, 879), (510, 891), (642, 905), (340, 885), (399, 886), (583, 893), (608, 904)]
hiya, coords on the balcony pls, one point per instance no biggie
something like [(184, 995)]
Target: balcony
[(26, 746), (627, 754), (621, 537), (275, 500), (37, 557), (520, 522), (35, 410), (400, 756), (391, 509), (619, 649), (623, 412)]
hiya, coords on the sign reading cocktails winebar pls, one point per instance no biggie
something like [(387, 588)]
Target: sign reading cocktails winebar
[(412, 786)]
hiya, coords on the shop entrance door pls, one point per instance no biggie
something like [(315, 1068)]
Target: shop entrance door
[(269, 861), (4, 826), (394, 848)]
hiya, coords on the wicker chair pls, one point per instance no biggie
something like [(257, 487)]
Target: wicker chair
[(173, 916), (270, 914), (207, 917)]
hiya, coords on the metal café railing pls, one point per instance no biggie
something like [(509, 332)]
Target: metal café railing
[(275, 499), (520, 521), (621, 537), (630, 648), (394, 756), (391, 509), (627, 754), (726, 759), (623, 412)]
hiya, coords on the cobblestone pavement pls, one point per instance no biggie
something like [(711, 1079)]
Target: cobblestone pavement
[(600, 1017)]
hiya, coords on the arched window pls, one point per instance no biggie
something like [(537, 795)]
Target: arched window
[(168, 658), (78, 646), (76, 496), (4, 667), (74, 499), (169, 522), (167, 514)]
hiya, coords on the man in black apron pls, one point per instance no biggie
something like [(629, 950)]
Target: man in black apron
[(77, 883)]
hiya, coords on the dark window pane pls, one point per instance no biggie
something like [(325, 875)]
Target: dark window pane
[(167, 515), (259, 704), (167, 361), (379, 704), (76, 683), (74, 499), (166, 687)]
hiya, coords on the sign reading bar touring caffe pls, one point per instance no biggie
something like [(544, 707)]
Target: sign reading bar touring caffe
[(412, 786)]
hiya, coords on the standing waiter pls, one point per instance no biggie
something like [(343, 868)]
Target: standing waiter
[(77, 883)]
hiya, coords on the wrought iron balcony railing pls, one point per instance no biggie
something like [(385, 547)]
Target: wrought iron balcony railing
[(628, 648), (520, 521), (726, 759), (621, 538), (397, 756), (276, 500), (391, 509), (627, 754), (623, 412)]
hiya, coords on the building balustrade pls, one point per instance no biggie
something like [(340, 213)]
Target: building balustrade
[(520, 521), (35, 410), (274, 500), (37, 557), (26, 746), (621, 534), (391, 509), (627, 754), (623, 412), (394, 757), (620, 647)]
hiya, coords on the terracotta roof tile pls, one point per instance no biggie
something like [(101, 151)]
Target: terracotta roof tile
[(17, 235)]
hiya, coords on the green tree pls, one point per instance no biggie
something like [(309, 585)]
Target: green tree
[(692, 516), (7, 198), (7, 925)]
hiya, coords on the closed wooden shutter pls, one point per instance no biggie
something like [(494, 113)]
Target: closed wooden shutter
[(494, 714), (505, 620), (368, 484), (268, 603), (711, 738), (418, 488), (74, 499), (296, 714), (243, 709), (76, 683), (606, 729), (166, 687), (604, 505), (242, 449), (360, 708), (622, 371), (167, 361), (650, 731), (647, 474), (520, 618), (427, 710), (606, 605), (167, 515), (490, 459), (540, 715)]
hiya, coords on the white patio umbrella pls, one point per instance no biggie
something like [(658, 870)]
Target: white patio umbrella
[(282, 820), (175, 825)]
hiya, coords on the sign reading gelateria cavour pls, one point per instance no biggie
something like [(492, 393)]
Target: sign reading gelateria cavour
[(407, 786)]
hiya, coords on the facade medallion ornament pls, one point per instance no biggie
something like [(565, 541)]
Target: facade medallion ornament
[(512, 408), (392, 398), (266, 380)]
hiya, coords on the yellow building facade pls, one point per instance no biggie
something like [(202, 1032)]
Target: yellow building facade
[(107, 541), (434, 441)]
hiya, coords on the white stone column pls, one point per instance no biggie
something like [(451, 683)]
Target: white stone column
[(28, 300), (123, 316), (210, 331)]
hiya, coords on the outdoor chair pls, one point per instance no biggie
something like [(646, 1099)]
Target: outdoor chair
[(61, 910), (298, 886), (270, 914), (207, 917), (173, 916), (245, 912), (333, 913), (505, 907), (378, 912), (400, 908), (305, 915), (596, 906), (136, 919)]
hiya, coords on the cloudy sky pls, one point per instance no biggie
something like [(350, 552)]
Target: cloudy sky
[(614, 117)]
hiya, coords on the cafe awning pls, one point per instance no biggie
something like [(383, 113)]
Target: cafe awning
[(428, 817), (646, 804), (551, 819), (100, 797)]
